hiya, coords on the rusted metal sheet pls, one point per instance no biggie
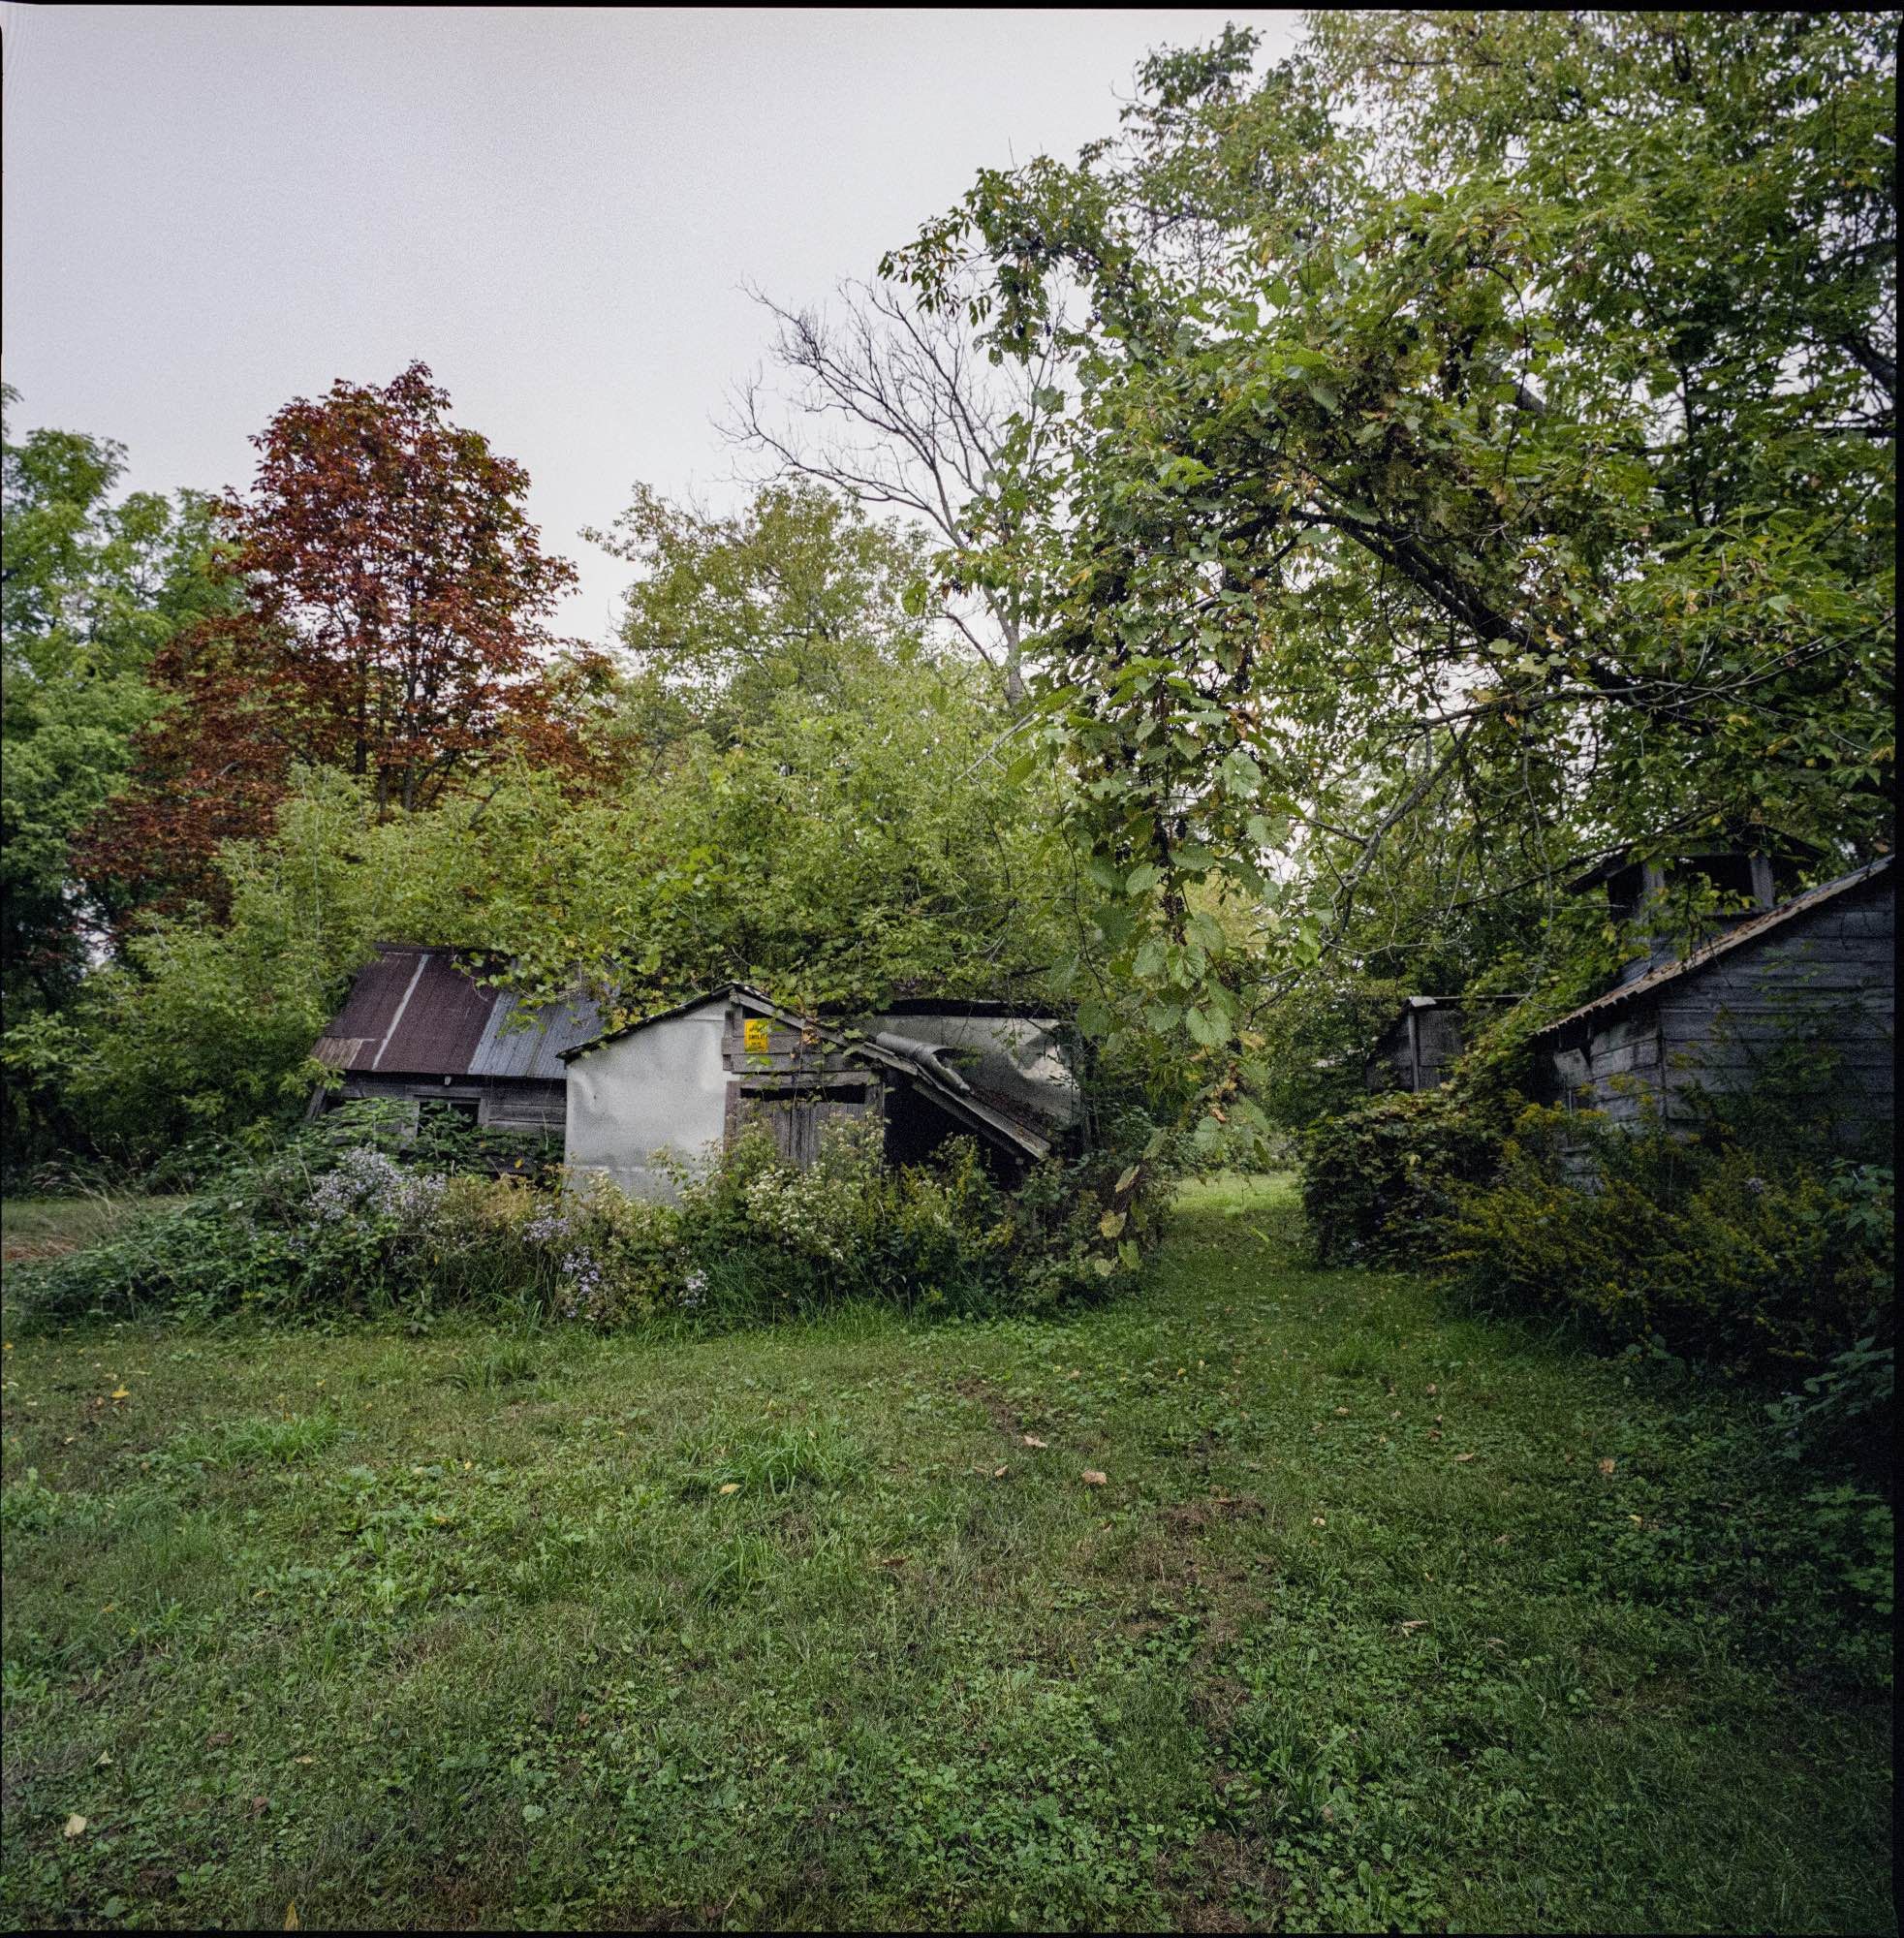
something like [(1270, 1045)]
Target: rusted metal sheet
[(340, 1053), (410, 1013), (376, 996), (437, 1030)]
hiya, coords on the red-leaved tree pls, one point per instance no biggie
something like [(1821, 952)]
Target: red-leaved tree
[(394, 623)]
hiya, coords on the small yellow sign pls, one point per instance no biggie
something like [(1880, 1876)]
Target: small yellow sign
[(754, 1036)]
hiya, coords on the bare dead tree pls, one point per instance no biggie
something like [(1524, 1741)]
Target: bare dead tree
[(903, 409)]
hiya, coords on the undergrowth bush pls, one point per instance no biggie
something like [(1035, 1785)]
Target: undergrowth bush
[(1378, 1181), (358, 1213), (1699, 1246)]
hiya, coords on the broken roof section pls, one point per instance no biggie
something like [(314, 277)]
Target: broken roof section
[(942, 1087), (417, 1011)]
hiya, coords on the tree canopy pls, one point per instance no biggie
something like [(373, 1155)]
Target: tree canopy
[(1485, 450)]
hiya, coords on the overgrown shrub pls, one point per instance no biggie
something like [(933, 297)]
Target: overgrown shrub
[(763, 1235), (358, 1215), (1844, 1411), (1378, 1181), (1699, 1246)]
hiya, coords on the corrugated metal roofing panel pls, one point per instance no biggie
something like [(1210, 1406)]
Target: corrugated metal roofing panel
[(440, 1024), (410, 1013), (515, 1046), (358, 1031)]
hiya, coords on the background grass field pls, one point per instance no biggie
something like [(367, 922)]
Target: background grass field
[(1379, 1616), (42, 1227)]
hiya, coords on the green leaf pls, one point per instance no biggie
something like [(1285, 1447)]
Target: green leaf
[(1207, 1032)]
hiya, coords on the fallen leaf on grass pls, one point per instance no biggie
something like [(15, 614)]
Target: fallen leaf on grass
[(999, 1473), (1421, 1623), (1032, 1440), (123, 1392), (1462, 1457), (1093, 1479), (730, 1488), (1342, 1409), (75, 1826), (1605, 1466), (292, 1922)]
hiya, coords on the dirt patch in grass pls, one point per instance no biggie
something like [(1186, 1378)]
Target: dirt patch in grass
[(1216, 1509), (998, 1409)]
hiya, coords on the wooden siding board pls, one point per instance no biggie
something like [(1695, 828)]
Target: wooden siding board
[(1831, 969)]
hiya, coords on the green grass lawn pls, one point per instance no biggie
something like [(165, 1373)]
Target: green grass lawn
[(1379, 1616)]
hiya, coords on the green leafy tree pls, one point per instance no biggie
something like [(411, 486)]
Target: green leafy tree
[(1486, 423), (94, 586), (795, 593)]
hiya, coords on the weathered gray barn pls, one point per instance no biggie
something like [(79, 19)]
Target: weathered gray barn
[(419, 1025), (1821, 964), (673, 1088)]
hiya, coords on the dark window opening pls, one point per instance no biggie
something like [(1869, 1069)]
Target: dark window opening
[(915, 1130), (1729, 874)]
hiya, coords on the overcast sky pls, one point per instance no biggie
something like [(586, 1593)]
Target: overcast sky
[(211, 210)]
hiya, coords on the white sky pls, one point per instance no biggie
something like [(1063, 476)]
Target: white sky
[(210, 210)]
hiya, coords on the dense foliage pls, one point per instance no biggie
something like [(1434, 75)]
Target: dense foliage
[(391, 623), (1755, 1233), (94, 588), (1483, 457), (1379, 1181), (1701, 1247), (351, 1216)]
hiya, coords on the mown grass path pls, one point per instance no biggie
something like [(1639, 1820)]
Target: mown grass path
[(1376, 1616)]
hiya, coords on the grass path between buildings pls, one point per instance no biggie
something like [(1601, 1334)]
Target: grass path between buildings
[(1378, 1616)]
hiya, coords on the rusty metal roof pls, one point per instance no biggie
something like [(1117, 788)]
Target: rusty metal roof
[(410, 1013), (415, 1011), (1752, 929)]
